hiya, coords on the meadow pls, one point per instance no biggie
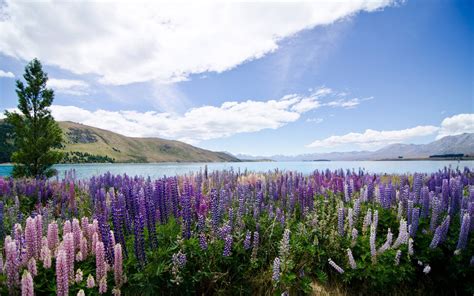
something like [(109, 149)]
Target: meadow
[(239, 233)]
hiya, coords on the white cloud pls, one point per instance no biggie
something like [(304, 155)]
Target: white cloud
[(456, 125), (198, 124), (373, 138), (6, 74), (124, 42), (69, 86)]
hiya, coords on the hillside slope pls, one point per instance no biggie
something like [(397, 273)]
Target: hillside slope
[(87, 139)]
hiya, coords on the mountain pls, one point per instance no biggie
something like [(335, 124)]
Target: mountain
[(459, 144), (83, 143)]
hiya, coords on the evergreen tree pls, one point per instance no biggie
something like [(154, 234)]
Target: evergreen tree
[(36, 132)]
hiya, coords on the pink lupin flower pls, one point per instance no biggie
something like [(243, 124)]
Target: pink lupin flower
[(79, 276), (90, 282), (76, 230), (39, 234), (46, 257), (70, 254), (53, 237), (12, 264), (95, 239), (30, 238), (101, 269), (83, 247), (27, 284), (118, 265), (112, 238), (85, 225), (62, 274), (31, 266), (67, 228), (103, 285)]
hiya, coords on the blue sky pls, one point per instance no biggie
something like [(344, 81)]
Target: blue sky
[(258, 79)]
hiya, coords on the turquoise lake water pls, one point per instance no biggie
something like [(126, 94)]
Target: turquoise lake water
[(156, 170)]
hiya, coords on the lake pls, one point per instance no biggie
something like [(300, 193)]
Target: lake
[(155, 170)]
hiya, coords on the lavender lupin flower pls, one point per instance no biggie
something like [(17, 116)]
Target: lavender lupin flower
[(335, 266), (373, 248), (247, 240), (340, 220), (351, 260), (276, 270), (397, 257), (285, 245)]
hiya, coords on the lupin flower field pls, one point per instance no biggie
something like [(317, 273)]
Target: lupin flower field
[(227, 232)]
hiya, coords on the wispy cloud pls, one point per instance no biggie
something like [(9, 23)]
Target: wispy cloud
[(6, 74), (348, 103), (69, 86), (372, 139), (315, 120), (193, 38)]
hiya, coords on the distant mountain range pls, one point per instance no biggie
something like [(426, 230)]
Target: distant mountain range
[(85, 143), (460, 144), (90, 144)]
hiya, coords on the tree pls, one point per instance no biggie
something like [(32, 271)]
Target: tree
[(37, 134)]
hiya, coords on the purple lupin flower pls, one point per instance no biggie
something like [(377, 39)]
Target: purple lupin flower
[(202, 241), (440, 233), (227, 246), (139, 242), (247, 240), (255, 243), (414, 221), (27, 284), (215, 211), (276, 270), (435, 212), (335, 266), (62, 274), (351, 260), (464, 232)]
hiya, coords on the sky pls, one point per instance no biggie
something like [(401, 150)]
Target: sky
[(251, 78)]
